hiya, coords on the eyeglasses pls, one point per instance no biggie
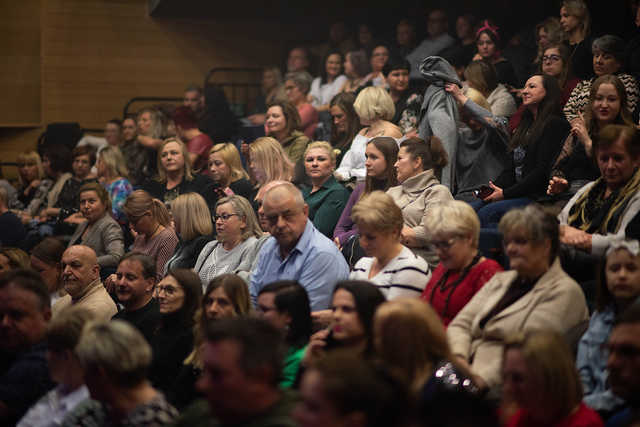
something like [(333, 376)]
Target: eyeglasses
[(168, 290), (224, 217), (552, 58), (444, 245)]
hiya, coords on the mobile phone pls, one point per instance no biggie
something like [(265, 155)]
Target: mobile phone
[(483, 191)]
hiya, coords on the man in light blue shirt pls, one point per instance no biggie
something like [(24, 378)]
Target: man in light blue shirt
[(296, 250)]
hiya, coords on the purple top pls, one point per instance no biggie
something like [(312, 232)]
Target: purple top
[(345, 227)]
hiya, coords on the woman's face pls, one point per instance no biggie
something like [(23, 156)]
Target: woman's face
[(276, 121), (543, 38), (231, 228), (379, 57), (616, 164), (143, 224), (50, 273), (333, 66), (318, 164), (269, 80), (604, 63), (315, 409), (377, 243), (81, 166), (552, 63), (533, 92), (486, 46), (398, 80), (294, 94), (623, 275), (518, 382), (348, 66), (91, 206), (374, 162), (568, 22), (170, 295), (454, 250), (128, 129), (144, 123), (339, 119), (171, 157), (406, 166), (347, 326), (364, 35), (218, 305), (220, 172), (527, 257), (28, 170), (463, 29), (268, 311), (606, 104)]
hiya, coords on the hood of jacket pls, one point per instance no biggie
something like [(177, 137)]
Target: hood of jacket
[(438, 71)]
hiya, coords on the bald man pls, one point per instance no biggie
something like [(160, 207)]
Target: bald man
[(81, 280), (296, 250)]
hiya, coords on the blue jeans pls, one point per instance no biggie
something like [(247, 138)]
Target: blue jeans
[(491, 213)]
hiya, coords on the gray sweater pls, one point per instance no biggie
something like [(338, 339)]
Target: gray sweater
[(105, 238)]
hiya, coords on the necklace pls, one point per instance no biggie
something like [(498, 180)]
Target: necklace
[(442, 283)]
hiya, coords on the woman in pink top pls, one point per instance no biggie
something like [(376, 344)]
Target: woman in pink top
[(297, 86)]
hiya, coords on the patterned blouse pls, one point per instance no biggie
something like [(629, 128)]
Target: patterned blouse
[(119, 190)]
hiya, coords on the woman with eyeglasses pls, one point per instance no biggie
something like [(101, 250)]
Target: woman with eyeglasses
[(462, 271), (178, 296), (236, 246)]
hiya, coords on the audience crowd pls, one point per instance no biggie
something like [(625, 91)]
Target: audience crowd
[(433, 232)]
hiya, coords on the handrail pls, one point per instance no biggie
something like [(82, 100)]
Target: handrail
[(214, 70), (125, 111)]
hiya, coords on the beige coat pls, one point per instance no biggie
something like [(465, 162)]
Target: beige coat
[(414, 197), (555, 303), (95, 299)]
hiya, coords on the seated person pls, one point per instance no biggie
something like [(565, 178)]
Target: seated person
[(606, 209), (539, 375), (455, 229), (417, 168), (296, 86), (389, 264), (114, 175), (406, 101), (227, 173), (326, 197), (329, 83), (438, 39), (198, 143), (118, 368), (284, 123), (489, 49), (536, 294), (296, 250), (46, 260), (345, 123), (375, 108), (63, 334), (378, 59), (271, 88), (33, 185), (12, 232), (25, 310), (482, 77)]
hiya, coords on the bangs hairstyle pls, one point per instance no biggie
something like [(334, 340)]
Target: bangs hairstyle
[(565, 54), (378, 211), (389, 149), (623, 117), (551, 362), (579, 9), (100, 191), (236, 290), (156, 131), (482, 75), (231, 158), (188, 172), (85, 150), (374, 103), (242, 207), (30, 157), (534, 223), (324, 145), (192, 216), (139, 202), (453, 217), (267, 154), (291, 115), (114, 161), (611, 133)]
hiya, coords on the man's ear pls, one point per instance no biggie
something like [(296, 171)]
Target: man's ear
[(96, 270), (305, 209)]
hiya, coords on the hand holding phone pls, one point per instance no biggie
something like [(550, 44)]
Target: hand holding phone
[(483, 191)]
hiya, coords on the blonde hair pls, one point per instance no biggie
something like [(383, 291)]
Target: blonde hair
[(453, 217), (579, 9), (242, 207), (156, 130), (65, 329), (550, 360), (139, 202), (268, 154), (17, 257), (477, 97), (188, 172), (114, 161), (231, 158), (410, 320), (323, 145), (378, 210), (374, 103), (192, 216), (30, 156)]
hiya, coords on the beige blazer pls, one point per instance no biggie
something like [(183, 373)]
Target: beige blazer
[(95, 299), (555, 303)]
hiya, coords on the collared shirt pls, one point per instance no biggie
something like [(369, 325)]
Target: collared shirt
[(53, 407), (326, 205), (591, 362), (315, 262)]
